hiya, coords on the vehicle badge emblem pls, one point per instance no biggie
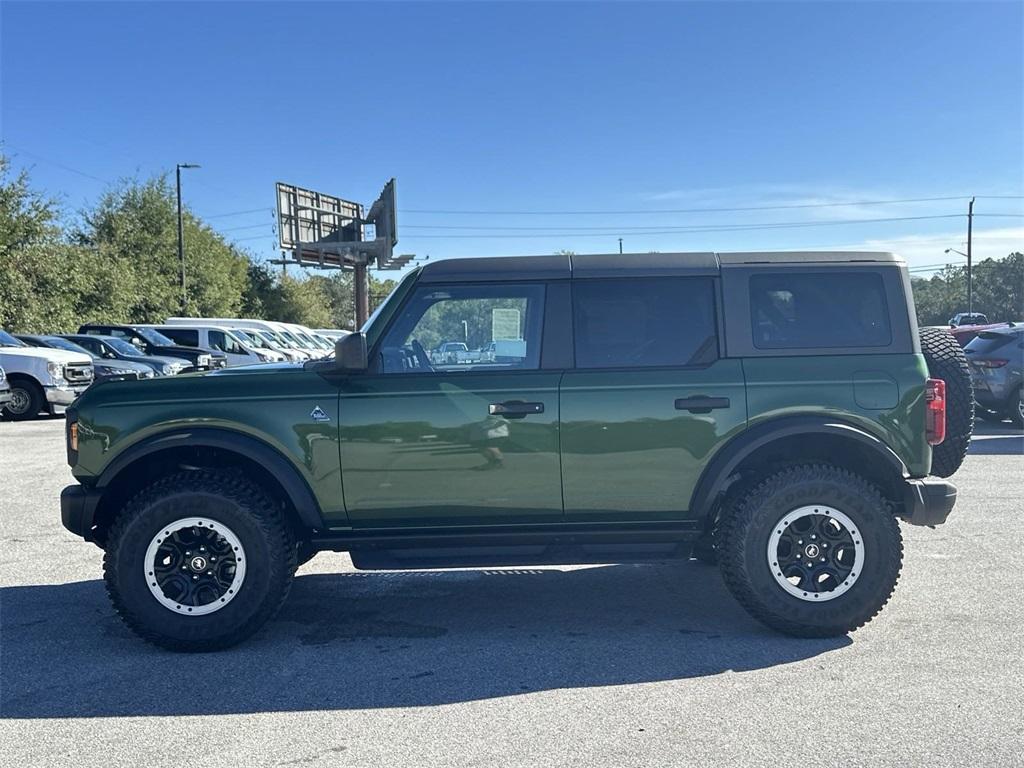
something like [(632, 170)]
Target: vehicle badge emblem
[(317, 414)]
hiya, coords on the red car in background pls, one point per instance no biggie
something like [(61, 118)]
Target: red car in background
[(966, 333)]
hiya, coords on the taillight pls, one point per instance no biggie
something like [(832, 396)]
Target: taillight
[(935, 415), (992, 363)]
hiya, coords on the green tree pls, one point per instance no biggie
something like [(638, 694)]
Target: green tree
[(135, 227), (998, 291)]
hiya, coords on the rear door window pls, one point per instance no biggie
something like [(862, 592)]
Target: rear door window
[(804, 310), (644, 322)]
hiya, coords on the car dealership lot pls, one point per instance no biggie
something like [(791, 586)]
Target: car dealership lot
[(607, 665)]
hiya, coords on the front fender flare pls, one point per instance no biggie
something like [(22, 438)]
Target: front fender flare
[(283, 471)]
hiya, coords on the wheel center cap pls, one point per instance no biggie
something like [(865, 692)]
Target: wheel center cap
[(197, 563), (812, 550)]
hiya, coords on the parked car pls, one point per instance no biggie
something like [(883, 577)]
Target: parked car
[(965, 334), (257, 341), (967, 318), (450, 353), (782, 434), (41, 379), (154, 343), (5, 390), (112, 348), (104, 370), (266, 330), (332, 334), (996, 359), (237, 351)]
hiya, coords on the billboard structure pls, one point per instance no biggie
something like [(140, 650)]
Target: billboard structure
[(327, 232)]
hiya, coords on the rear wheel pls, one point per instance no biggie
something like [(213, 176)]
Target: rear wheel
[(946, 361), (198, 561), (812, 551), (989, 415), (1016, 409)]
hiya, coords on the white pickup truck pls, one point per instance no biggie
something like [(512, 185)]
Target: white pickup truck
[(41, 379)]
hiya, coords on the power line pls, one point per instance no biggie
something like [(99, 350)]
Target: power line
[(247, 226), (643, 211), (694, 229), (239, 213), (47, 160), (685, 228)]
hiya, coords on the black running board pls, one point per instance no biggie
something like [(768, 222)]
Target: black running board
[(516, 555)]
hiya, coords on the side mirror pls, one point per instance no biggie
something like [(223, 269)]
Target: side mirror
[(350, 353)]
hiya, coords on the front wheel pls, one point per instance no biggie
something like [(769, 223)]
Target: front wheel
[(198, 561), (26, 401), (812, 551)]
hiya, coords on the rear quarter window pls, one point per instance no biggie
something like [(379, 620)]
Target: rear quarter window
[(805, 310)]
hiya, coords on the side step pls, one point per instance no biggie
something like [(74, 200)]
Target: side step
[(516, 555)]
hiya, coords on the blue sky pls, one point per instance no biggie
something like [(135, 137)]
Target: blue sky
[(543, 108)]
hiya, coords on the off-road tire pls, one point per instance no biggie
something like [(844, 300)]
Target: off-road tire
[(230, 500), (32, 393), (946, 360), (746, 530)]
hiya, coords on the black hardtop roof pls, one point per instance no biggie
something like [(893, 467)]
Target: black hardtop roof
[(564, 266)]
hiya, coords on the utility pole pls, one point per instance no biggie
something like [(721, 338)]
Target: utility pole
[(620, 246), (360, 281), (181, 236), (970, 283)]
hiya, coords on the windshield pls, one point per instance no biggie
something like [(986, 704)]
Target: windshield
[(293, 341), (122, 346), (252, 338), (317, 344), (6, 340), (59, 343), (154, 337)]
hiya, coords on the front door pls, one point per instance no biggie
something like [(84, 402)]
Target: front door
[(455, 423), (648, 402)]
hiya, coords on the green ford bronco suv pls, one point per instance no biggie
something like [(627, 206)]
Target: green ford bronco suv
[(771, 412)]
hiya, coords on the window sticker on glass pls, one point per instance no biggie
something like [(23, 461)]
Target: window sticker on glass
[(505, 325)]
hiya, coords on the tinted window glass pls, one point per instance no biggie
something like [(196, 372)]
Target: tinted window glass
[(466, 327), (644, 322), (802, 310), (182, 336)]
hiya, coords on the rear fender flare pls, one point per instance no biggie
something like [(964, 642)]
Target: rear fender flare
[(714, 479)]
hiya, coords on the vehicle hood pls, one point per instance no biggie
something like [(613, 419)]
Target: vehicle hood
[(189, 351), (157, 359), (256, 368), (128, 365), (46, 353)]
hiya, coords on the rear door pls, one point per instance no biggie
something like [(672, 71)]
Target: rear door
[(649, 399), (455, 440)]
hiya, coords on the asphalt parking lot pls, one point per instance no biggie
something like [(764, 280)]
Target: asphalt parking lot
[(608, 665)]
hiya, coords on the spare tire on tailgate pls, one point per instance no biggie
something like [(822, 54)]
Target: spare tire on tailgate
[(946, 361)]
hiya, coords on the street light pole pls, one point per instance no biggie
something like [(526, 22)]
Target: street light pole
[(181, 236), (970, 282)]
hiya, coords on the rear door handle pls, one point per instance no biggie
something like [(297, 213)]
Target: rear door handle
[(701, 403), (514, 409)]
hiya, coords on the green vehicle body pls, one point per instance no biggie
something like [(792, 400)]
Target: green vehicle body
[(352, 452)]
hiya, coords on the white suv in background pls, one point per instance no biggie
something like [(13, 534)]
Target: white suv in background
[(41, 379), (236, 349)]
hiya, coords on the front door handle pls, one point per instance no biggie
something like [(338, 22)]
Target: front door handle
[(514, 409), (701, 403)]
